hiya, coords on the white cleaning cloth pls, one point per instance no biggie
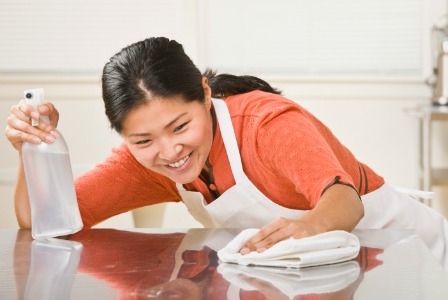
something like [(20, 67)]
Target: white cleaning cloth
[(322, 249), (292, 282)]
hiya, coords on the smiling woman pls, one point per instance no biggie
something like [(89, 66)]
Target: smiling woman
[(232, 149), (171, 137)]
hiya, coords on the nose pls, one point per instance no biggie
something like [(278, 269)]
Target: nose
[(170, 150)]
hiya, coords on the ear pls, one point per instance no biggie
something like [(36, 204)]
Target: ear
[(207, 93)]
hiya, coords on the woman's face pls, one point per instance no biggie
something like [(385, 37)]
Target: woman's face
[(170, 136)]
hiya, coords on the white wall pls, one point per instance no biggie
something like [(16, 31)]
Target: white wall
[(367, 114)]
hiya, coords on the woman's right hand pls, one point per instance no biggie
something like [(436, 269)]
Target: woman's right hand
[(19, 128)]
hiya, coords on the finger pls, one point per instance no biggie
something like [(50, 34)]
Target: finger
[(45, 109), (9, 132), (18, 113), (269, 241), (29, 110), (48, 109), (269, 230), (19, 130), (16, 137), (266, 237), (24, 111), (266, 231), (46, 128)]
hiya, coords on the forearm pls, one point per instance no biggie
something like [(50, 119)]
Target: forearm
[(21, 199), (338, 209)]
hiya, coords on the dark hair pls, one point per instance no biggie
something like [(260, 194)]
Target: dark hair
[(159, 67), (224, 85)]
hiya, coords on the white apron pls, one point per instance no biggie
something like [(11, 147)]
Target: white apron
[(241, 206), (244, 206)]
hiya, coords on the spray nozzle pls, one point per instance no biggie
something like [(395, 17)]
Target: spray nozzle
[(34, 97)]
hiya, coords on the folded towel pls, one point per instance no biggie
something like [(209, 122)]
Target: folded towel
[(322, 249), (293, 282)]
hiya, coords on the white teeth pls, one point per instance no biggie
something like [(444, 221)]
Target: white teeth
[(179, 163)]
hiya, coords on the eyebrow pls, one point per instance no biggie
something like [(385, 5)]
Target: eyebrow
[(166, 126)]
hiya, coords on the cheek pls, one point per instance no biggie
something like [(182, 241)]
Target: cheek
[(197, 139), (201, 135), (143, 156)]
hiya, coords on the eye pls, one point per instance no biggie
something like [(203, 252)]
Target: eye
[(180, 127), (143, 142)]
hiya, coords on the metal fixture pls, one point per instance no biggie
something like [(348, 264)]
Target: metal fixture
[(439, 82)]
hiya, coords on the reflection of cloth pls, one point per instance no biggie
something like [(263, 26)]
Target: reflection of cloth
[(132, 262), (293, 282), (326, 248)]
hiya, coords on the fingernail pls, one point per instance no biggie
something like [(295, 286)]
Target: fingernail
[(35, 115), (244, 251), (54, 133), (36, 140), (261, 250), (50, 139), (43, 108)]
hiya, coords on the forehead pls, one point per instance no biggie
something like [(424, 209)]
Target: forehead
[(156, 114)]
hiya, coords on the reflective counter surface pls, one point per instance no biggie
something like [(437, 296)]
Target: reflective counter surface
[(182, 264)]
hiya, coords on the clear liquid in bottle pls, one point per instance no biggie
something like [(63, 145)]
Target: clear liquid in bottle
[(51, 190)]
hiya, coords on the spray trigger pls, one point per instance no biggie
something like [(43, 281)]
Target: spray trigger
[(34, 97)]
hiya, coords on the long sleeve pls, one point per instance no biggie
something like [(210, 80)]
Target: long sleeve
[(120, 184), (289, 155)]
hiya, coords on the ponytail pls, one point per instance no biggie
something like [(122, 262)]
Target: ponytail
[(224, 85)]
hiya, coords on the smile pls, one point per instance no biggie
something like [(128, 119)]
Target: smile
[(180, 163)]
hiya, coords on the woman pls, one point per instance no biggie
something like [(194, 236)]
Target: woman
[(241, 154)]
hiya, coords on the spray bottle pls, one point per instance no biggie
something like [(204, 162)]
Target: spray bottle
[(49, 178)]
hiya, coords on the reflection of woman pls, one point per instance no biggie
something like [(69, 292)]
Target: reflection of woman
[(144, 266), (22, 258), (126, 261), (129, 262), (196, 279), (256, 158), (141, 266)]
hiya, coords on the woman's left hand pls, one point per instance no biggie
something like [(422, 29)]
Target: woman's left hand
[(279, 230), (339, 208)]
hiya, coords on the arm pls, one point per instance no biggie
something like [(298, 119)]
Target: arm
[(300, 149), (19, 130), (338, 209), (21, 199), (120, 184)]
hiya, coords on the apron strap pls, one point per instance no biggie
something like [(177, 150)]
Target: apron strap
[(229, 138), (414, 193)]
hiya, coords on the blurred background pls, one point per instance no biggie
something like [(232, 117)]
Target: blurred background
[(361, 66)]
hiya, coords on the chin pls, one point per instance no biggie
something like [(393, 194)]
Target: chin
[(182, 179)]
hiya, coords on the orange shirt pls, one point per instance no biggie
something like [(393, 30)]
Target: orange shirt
[(287, 153)]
